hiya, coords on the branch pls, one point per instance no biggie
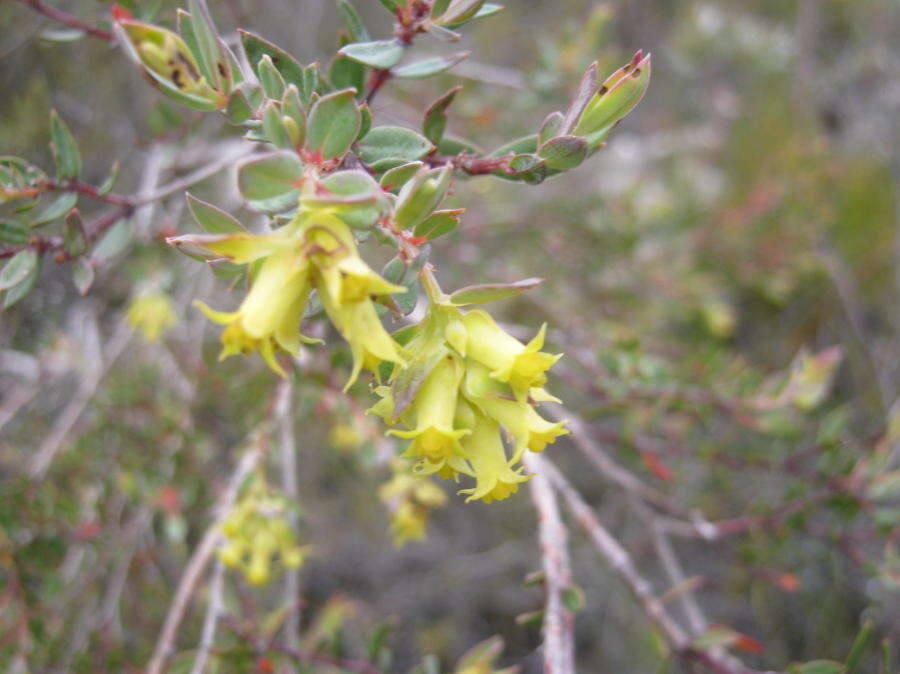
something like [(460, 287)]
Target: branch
[(212, 618), (559, 622), (68, 20), (193, 572), (620, 561), (284, 408)]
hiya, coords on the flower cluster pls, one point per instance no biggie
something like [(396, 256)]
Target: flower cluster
[(410, 500), (316, 250), (152, 314), (467, 380), (258, 533)]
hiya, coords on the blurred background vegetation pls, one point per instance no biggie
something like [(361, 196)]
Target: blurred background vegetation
[(739, 232)]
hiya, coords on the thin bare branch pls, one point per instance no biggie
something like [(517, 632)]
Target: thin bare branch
[(193, 572), (559, 621)]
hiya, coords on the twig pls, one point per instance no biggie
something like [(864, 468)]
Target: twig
[(284, 413), (672, 566), (68, 20), (100, 361), (620, 561), (212, 618), (624, 478), (198, 562), (559, 622)]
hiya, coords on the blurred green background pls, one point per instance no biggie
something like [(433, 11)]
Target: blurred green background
[(745, 211)]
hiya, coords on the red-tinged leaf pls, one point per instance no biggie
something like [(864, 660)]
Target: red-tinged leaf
[(657, 467), (586, 90)]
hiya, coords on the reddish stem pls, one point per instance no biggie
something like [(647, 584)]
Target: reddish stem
[(68, 20)]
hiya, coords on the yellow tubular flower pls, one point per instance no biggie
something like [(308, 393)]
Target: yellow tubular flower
[(410, 500), (152, 313), (269, 317), (530, 430), (495, 477), (521, 366), (359, 324), (346, 285), (435, 441)]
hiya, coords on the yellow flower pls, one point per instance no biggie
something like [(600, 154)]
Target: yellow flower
[(435, 440), (521, 366), (270, 315), (152, 313), (495, 477), (359, 324), (410, 499), (530, 430), (346, 285)]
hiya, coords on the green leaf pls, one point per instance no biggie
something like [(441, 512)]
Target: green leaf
[(393, 142), (819, 667), (438, 224), (74, 239), (435, 121), (113, 243), (381, 54), (429, 67), (239, 109), (333, 124), (268, 183), (393, 5), (177, 95), (365, 121), (109, 183), (17, 292), (62, 35), (271, 81), (487, 9), (421, 196), (211, 218), (481, 656), (18, 268), (492, 291), (524, 145), (573, 598), (13, 233), (393, 179), (290, 69), (274, 128), (65, 150), (83, 275), (550, 127), (209, 53), (586, 89), (345, 73), (564, 152), (354, 23), (352, 195), (459, 12), (57, 208), (858, 650)]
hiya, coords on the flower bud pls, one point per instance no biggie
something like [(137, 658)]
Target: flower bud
[(616, 98)]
